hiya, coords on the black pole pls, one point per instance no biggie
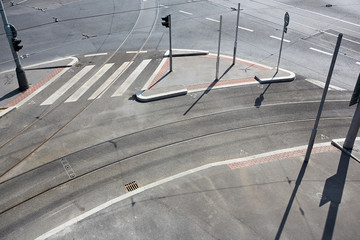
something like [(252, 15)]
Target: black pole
[(313, 133)]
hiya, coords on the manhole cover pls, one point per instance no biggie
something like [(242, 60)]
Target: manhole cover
[(131, 186)]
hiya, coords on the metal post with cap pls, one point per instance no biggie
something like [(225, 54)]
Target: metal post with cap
[(11, 34), (286, 23), (166, 22)]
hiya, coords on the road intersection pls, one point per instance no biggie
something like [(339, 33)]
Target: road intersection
[(69, 152)]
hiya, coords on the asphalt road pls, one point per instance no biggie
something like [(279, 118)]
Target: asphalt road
[(103, 26), (147, 142)]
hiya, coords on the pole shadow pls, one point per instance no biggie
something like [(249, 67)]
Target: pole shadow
[(44, 68), (293, 195), (154, 84), (260, 99), (202, 95), (10, 94), (333, 191), (209, 88)]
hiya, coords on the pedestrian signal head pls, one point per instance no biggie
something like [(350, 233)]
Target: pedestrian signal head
[(166, 21), (16, 45)]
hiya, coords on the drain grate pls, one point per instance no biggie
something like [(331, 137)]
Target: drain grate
[(131, 186)]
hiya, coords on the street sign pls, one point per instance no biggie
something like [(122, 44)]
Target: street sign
[(356, 94)]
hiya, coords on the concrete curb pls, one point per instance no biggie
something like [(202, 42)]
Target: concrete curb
[(160, 93), (267, 80), (186, 53), (5, 111)]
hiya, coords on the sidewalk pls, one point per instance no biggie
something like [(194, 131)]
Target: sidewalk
[(268, 196), (38, 76), (201, 75)]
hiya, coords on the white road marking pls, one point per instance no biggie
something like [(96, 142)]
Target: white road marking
[(323, 15), (136, 51), (166, 180), (89, 83), (246, 29), (285, 40), (67, 85), (358, 63), (320, 51), (349, 40), (95, 54), (322, 85), (185, 12), (210, 19), (101, 90), (120, 91)]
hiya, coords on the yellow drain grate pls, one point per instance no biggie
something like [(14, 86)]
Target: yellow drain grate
[(131, 186)]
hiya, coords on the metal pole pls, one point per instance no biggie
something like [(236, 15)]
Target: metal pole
[(20, 73), (170, 53), (218, 55), (354, 126), (236, 33), (281, 44), (286, 23), (314, 130)]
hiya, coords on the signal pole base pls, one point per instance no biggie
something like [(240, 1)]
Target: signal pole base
[(22, 81)]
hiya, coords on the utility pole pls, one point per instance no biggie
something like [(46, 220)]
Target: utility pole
[(236, 33), (11, 34), (218, 54)]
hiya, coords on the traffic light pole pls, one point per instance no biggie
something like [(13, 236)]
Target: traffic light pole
[(170, 52), (20, 73)]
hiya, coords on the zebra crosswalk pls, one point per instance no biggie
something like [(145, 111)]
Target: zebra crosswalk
[(109, 74)]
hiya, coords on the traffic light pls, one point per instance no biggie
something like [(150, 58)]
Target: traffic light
[(16, 45), (166, 21)]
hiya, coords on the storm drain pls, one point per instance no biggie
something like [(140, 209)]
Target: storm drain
[(131, 186)]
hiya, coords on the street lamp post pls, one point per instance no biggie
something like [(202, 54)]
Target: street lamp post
[(13, 42)]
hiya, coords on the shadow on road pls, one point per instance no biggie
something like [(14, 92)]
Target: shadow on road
[(293, 195), (209, 88), (333, 191), (259, 100), (154, 84)]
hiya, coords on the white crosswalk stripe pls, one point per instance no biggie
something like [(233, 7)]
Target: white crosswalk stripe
[(50, 100), (89, 83), (120, 91), (101, 90)]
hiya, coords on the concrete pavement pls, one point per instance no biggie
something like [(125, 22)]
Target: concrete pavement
[(274, 195)]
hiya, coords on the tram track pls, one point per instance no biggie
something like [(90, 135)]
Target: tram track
[(88, 104), (122, 149)]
